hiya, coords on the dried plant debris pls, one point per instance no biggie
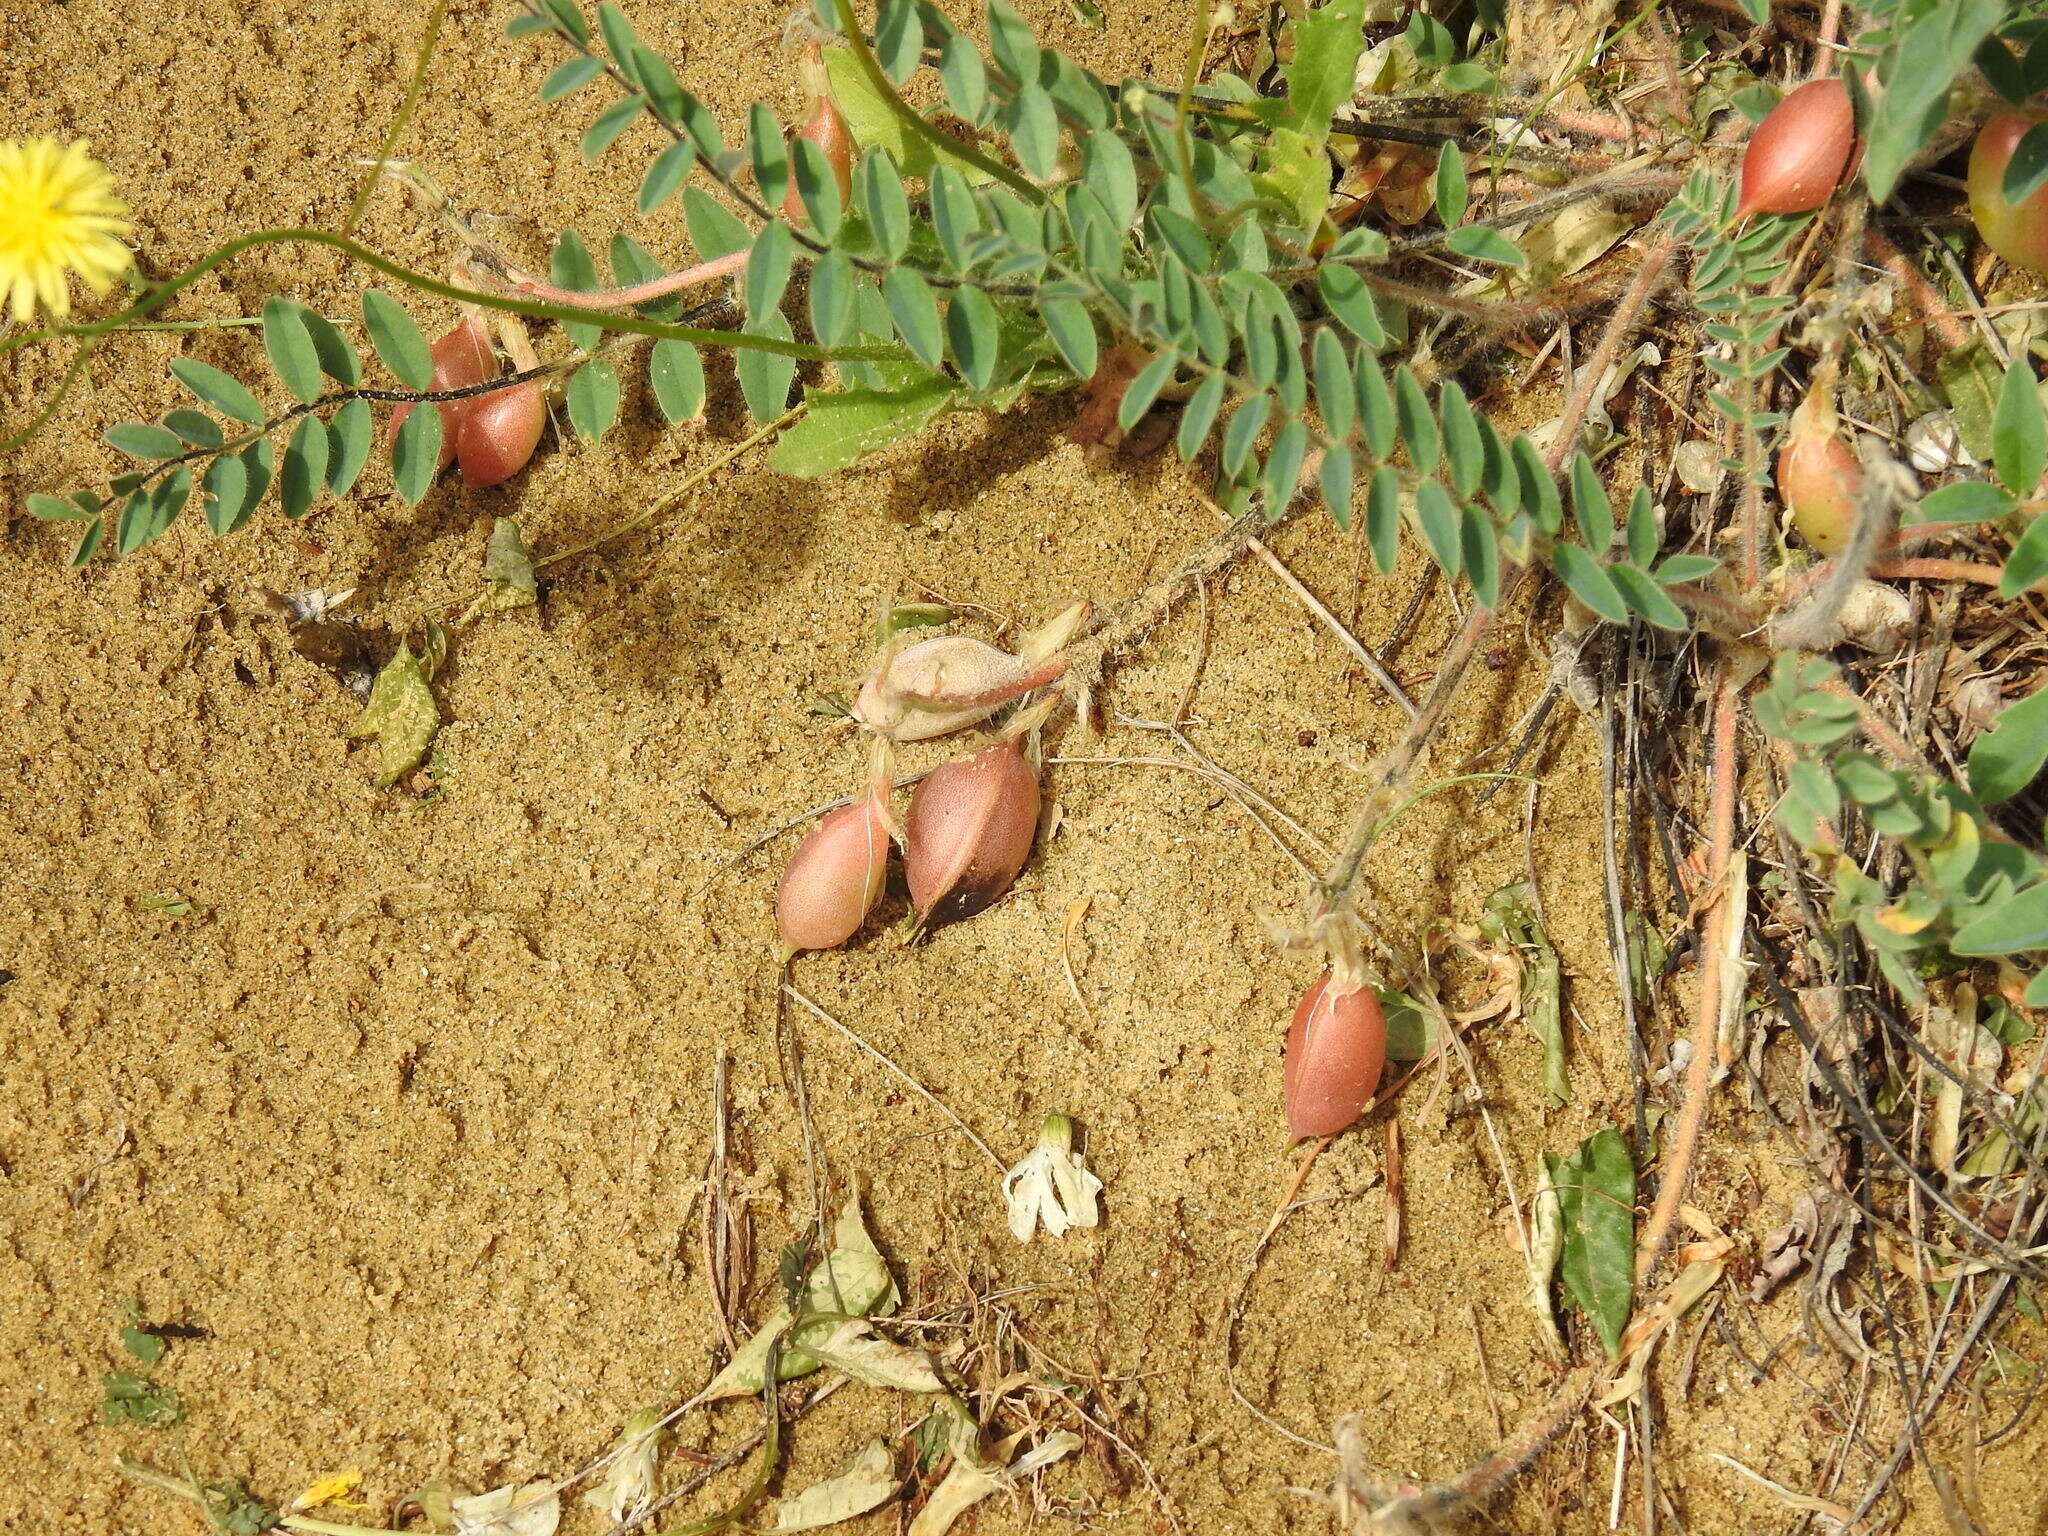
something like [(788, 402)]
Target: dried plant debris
[(850, 1281), (530, 1509), (629, 1479), (1510, 919), (867, 1482), (509, 580), (342, 646), (401, 714)]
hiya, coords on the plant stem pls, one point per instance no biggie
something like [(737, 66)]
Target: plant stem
[(1714, 934), (403, 120), (639, 293)]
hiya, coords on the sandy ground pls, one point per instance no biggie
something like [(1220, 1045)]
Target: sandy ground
[(408, 1113)]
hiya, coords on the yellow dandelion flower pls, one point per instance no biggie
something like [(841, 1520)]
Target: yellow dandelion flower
[(58, 215)]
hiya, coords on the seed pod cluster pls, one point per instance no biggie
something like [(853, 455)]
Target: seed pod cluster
[(1800, 152)]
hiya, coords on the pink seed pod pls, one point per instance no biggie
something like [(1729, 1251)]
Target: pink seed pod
[(2016, 231), (827, 130), (835, 877), (942, 685), (1336, 1049), (462, 357), (499, 432), (1800, 152), (969, 831), (1820, 479)]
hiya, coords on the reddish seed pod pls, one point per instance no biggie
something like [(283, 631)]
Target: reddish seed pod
[(827, 130), (498, 434), (1336, 1049), (2016, 231), (461, 358), (835, 877), (1800, 152), (969, 831), (1820, 479)]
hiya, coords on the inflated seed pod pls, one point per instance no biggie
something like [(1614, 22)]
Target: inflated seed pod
[(1336, 1049), (969, 831), (1820, 479), (1800, 152), (498, 433), (2016, 231), (835, 877), (462, 357)]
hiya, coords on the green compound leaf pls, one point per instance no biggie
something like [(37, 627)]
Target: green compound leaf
[(1590, 506), (350, 435), (2019, 437), (840, 429), (1481, 244), (974, 334), (1198, 418), (397, 341), (915, 310), (670, 169), (1144, 389), (195, 428), (676, 374), (1646, 597), (289, 346), (1596, 1195), (2009, 928), (1969, 501), (832, 298), (338, 359), (416, 454), (884, 201), (568, 78), (1347, 297), (224, 493), (1589, 583), (2027, 565), (768, 268), (1437, 516), (1336, 389), (1338, 484), (1383, 519), (611, 122), (1417, 424), (1072, 330), (141, 440), (219, 390), (1452, 192), (303, 474), (2005, 759), (765, 377), (593, 399)]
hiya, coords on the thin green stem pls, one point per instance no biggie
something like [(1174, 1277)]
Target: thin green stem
[(400, 123), (911, 118)]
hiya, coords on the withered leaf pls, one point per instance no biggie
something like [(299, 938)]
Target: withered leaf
[(401, 714)]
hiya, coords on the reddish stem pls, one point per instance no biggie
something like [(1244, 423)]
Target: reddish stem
[(1931, 569), (639, 293)]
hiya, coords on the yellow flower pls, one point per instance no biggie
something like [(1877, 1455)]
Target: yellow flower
[(58, 215)]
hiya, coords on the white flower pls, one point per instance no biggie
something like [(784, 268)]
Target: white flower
[(1052, 1185)]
